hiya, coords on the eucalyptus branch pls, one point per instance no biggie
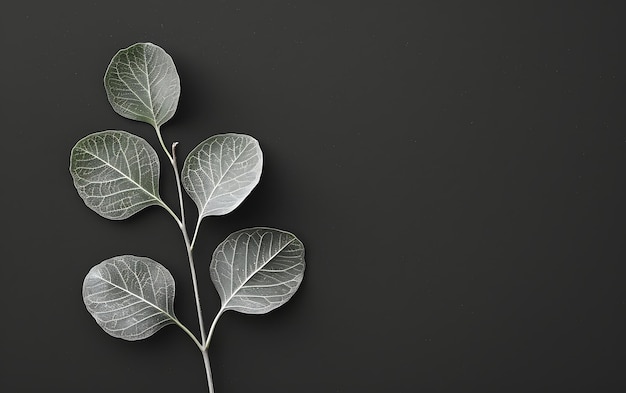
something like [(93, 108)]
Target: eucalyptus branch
[(116, 173), (192, 268)]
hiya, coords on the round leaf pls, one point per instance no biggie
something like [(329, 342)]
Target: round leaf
[(221, 172), (257, 270), (116, 173), (142, 84), (130, 297)]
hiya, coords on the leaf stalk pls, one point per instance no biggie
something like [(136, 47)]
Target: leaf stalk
[(207, 341)]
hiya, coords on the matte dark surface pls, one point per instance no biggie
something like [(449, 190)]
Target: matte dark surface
[(455, 169)]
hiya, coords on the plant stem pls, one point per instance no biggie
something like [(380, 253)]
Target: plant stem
[(195, 233), (189, 333), (188, 243), (204, 343), (167, 208), (194, 280), (171, 158), (195, 289), (207, 368), (205, 350), (207, 341)]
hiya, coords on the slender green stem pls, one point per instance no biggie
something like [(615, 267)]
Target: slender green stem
[(194, 280), (192, 268), (207, 368), (158, 132), (180, 221), (205, 350), (180, 193), (207, 341), (190, 334), (195, 233), (203, 344), (171, 212), (188, 244), (195, 291)]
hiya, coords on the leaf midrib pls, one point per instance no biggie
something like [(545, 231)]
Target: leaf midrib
[(233, 293), (140, 298), (149, 87), (155, 197), (204, 206)]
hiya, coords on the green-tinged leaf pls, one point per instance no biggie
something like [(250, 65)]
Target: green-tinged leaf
[(116, 173), (221, 172), (142, 84), (130, 297), (257, 270)]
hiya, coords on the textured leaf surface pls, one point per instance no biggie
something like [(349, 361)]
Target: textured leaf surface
[(257, 270), (221, 172), (142, 84), (130, 297), (116, 173)]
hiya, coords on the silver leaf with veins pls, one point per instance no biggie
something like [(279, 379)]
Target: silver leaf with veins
[(142, 84), (116, 173), (130, 297), (257, 270), (221, 172)]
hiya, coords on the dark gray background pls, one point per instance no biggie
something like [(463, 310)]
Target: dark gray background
[(455, 169)]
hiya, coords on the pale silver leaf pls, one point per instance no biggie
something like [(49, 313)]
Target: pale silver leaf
[(257, 270), (142, 84), (221, 172), (116, 173), (130, 297)]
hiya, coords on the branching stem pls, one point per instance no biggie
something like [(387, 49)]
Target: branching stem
[(203, 344), (190, 334)]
